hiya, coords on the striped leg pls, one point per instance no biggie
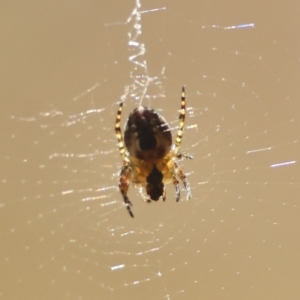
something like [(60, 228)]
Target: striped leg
[(181, 119), (119, 132), (126, 170)]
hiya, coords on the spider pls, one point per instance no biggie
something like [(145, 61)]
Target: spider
[(149, 157)]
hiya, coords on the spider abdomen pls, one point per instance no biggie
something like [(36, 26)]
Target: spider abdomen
[(147, 135)]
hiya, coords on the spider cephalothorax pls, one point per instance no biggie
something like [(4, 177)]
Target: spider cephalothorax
[(149, 157)]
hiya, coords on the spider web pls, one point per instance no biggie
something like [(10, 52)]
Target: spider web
[(65, 232)]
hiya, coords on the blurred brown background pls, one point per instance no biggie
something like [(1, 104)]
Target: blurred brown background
[(65, 233)]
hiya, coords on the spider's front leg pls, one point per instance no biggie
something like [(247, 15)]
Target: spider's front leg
[(184, 181), (182, 156), (164, 196), (144, 197), (177, 188), (124, 185)]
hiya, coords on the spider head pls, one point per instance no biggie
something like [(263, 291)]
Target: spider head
[(155, 186), (155, 192)]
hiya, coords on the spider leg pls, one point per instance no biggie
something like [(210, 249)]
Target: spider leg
[(119, 132), (181, 119), (177, 188), (124, 185), (164, 196), (144, 197), (184, 180), (182, 156)]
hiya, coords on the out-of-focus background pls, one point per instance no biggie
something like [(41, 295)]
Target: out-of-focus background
[(65, 233)]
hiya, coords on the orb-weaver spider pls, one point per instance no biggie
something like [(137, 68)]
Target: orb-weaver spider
[(149, 157)]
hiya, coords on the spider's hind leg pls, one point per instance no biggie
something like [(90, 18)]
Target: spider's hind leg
[(181, 119), (118, 132)]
